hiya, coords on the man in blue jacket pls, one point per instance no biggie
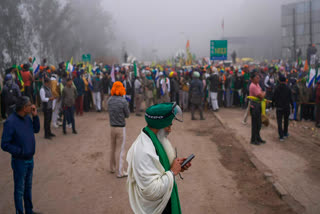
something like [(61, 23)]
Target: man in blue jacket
[(18, 139)]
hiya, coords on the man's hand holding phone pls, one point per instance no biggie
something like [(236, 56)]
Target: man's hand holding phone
[(34, 111)]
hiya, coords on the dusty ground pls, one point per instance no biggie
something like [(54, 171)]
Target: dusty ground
[(295, 162), (71, 172)]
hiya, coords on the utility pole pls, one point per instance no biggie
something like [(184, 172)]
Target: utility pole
[(294, 34), (311, 42)]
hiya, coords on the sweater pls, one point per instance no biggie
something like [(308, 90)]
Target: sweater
[(118, 111), (69, 96), (18, 136)]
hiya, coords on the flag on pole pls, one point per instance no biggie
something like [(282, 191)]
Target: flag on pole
[(37, 69), (311, 77), (112, 74), (71, 61), (188, 44), (135, 69), (317, 76), (306, 67), (222, 24)]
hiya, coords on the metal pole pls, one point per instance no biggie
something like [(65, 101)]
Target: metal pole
[(294, 34), (311, 22)]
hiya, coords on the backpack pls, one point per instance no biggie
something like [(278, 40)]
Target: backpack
[(12, 96)]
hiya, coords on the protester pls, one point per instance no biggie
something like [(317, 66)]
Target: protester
[(318, 104), (27, 81), (118, 111), (213, 88), (78, 82), (56, 103), (174, 86), (69, 95), (153, 164), (149, 88), (163, 84), (106, 84), (18, 139), (196, 95), (138, 95), (96, 89), (46, 99), (87, 94), (10, 94), (282, 99), (255, 108)]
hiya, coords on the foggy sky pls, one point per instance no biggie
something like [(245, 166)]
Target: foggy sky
[(166, 25)]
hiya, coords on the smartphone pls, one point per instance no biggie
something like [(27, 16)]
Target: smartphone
[(187, 160)]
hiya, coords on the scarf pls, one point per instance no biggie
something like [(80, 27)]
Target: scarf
[(164, 160)]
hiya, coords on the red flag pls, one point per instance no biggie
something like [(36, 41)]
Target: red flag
[(188, 44)]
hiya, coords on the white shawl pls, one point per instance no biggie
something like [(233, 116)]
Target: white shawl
[(149, 186)]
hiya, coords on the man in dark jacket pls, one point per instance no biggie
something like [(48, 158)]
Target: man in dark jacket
[(196, 95), (78, 82), (10, 94), (282, 99), (18, 139)]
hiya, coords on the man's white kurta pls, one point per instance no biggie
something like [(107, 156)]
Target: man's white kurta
[(148, 184)]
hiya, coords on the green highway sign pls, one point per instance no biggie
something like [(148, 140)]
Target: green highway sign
[(219, 49)]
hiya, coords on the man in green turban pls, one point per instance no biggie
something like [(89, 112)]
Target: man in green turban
[(153, 165)]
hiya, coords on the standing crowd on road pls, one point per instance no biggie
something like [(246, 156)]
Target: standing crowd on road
[(74, 89)]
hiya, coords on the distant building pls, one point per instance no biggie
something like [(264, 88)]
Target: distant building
[(300, 27)]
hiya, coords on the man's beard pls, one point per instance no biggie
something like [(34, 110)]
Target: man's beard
[(163, 138)]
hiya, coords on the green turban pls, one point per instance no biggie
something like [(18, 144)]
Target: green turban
[(161, 115)]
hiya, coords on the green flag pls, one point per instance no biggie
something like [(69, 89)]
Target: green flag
[(135, 69)]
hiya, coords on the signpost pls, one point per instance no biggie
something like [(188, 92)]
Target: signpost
[(219, 49)]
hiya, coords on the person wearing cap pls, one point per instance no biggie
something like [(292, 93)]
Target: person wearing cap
[(196, 95), (47, 100), (255, 108), (153, 165), (10, 93), (118, 111), (18, 139), (282, 99)]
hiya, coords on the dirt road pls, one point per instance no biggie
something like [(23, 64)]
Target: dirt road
[(71, 172), (294, 162)]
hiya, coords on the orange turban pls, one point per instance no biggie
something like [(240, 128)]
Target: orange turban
[(118, 89)]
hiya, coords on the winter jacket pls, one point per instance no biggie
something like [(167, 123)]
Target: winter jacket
[(18, 136), (282, 97)]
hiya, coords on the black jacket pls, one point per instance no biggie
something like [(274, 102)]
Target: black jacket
[(282, 97)]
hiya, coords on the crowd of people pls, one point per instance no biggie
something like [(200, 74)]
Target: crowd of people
[(166, 91), (63, 92)]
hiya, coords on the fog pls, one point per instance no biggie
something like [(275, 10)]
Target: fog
[(143, 26)]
